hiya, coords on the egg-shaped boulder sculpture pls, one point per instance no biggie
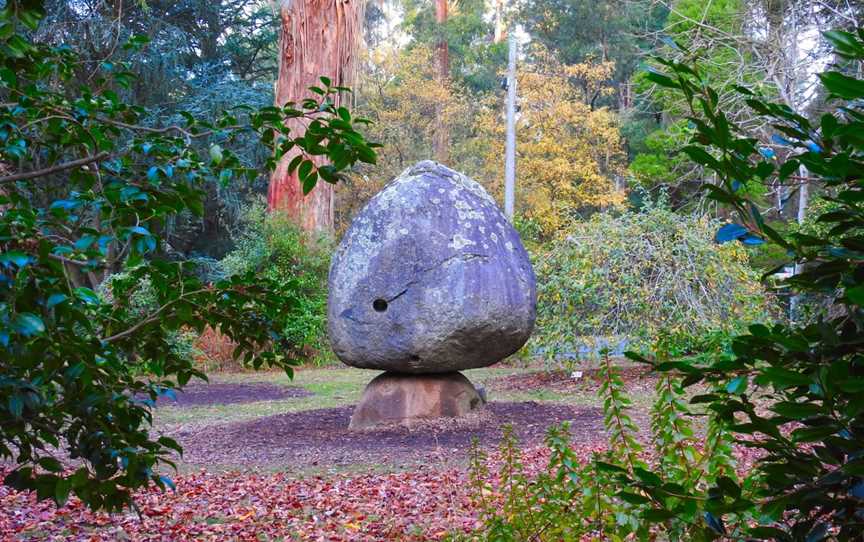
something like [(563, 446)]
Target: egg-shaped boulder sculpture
[(430, 278)]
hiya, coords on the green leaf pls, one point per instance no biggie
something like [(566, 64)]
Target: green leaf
[(662, 80), (292, 165), (843, 86), (303, 173), (87, 295), (657, 515), (309, 183), (737, 385), (50, 464), (62, 491), (856, 295), (609, 467), (28, 324), (783, 377), (14, 257), (647, 477), (72, 373), (797, 410), (845, 43), (216, 154), (55, 299), (632, 498), (16, 406), (700, 156)]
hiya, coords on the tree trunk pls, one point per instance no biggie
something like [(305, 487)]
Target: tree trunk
[(440, 144), (500, 29), (318, 38)]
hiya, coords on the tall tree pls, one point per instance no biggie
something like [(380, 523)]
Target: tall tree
[(318, 37), (442, 60), (203, 56), (578, 31)]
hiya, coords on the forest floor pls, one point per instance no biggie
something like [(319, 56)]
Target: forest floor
[(270, 458)]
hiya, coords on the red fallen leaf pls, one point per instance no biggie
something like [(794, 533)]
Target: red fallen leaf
[(408, 506)]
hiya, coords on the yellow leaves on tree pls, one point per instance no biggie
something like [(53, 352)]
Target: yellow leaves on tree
[(569, 153), (399, 92)]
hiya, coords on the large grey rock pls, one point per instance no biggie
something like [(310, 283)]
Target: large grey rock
[(393, 398), (429, 278)]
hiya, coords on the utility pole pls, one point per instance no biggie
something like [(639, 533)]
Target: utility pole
[(510, 158)]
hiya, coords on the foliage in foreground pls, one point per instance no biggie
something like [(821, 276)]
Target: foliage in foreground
[(639, 276), (85, 186), (575, 499), (791, 394)]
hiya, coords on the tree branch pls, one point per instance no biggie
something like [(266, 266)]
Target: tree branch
[(152, 318), (54, 169)]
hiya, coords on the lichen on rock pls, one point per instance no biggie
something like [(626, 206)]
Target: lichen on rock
[(430, 278)]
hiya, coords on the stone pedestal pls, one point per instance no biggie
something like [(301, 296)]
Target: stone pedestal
[(394, 398)]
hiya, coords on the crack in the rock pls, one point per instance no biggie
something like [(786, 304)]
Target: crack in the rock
[(464, 256), (400, 294)]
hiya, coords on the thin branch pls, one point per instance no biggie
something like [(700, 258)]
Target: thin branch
[(150, 319), (55, 169)]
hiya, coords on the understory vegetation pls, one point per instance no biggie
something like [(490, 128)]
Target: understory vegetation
[(789, 391), (689, 186), (623, 281), (297, 262)]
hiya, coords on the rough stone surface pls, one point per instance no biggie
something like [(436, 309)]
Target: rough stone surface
[(393, 398), (430, 277)]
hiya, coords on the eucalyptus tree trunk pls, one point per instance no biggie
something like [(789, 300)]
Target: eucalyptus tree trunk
[(500, 29), (318, 38), (440, 143)]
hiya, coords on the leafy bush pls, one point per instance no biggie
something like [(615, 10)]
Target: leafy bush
[(85, 186), (141, 299), (578, 499), (637, 276), (297, 262), (793, 393)]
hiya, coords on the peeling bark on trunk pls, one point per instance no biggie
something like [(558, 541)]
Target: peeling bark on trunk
[(500, 29), (318, 38), (440, 144)]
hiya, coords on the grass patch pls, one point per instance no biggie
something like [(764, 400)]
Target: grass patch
[(334, 387)]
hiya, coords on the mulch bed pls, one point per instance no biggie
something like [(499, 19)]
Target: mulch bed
[(635, 377), (231, 394), (320, 438)]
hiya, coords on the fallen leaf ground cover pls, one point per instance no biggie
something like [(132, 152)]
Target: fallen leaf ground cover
[(280, 470), (425, 503)]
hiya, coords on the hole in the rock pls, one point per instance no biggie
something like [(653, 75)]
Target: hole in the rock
[(379, 305), (415, 357)]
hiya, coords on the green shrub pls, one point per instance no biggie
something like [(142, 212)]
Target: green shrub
[(578, 497), (298, 262), (791, 393), (89, 184), (639, 276)]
